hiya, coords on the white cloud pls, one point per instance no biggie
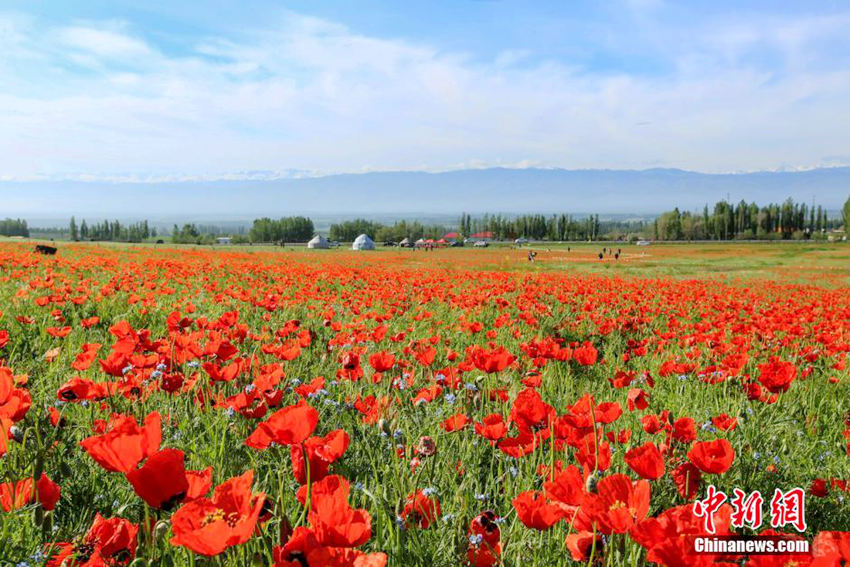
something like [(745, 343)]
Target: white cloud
[(103, 42), (312, 95)]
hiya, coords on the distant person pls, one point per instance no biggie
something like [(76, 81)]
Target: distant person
[(617, 256), (601, 255)]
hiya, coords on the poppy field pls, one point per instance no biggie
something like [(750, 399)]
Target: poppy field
[(182, 406)]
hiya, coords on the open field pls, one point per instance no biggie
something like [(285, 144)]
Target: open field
[(820, 263), (179, 405)]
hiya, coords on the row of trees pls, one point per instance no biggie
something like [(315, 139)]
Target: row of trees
[(349, 230), (554, 227), (14, 227), (286, 229), (115, 231), (727, 221)]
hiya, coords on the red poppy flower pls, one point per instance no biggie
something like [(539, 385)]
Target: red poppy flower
[(684, 430), (421, 510), (712, 457), (618, 504), (530, 412), (485, 548), (586, 354), (567, 487), (126, 444), (724, 422), (456, 423), (687, 479), (48, 492), (108, 542), (581, 543), (535, 511), (777, 375), (491, 361), (209, 526), (382, 361), (162, 481), (492, 427), (335, 523), (646, 461), (638, 399), (286, 426), (322, 452), (14, 495), (831, 548)]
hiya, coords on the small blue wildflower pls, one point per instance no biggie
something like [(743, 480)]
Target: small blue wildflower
[(476, 539), (429, 491), (250, 388)]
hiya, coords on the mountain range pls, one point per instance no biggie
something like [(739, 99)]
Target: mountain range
[(639, 192)]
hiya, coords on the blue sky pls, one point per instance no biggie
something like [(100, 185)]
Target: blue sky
[(124, 90)]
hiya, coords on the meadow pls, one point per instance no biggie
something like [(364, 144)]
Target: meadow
[(168, 405)]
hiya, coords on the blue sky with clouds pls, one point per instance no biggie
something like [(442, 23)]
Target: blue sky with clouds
[(220, 89)]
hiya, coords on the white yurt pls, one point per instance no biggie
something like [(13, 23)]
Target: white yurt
[(318, 241), (405, 243), (363, 242)]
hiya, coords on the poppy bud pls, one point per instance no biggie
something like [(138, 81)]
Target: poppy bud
[(38, 517), (38, 467), (160, 530), (592, 480), (285, 530), (47, 521)]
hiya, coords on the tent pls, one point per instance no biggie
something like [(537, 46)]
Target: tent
[(363, 242), (405, 243), (318, 241)]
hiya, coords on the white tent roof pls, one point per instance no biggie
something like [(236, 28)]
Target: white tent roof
[(318, 241), (363, 242), (405, 240)]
